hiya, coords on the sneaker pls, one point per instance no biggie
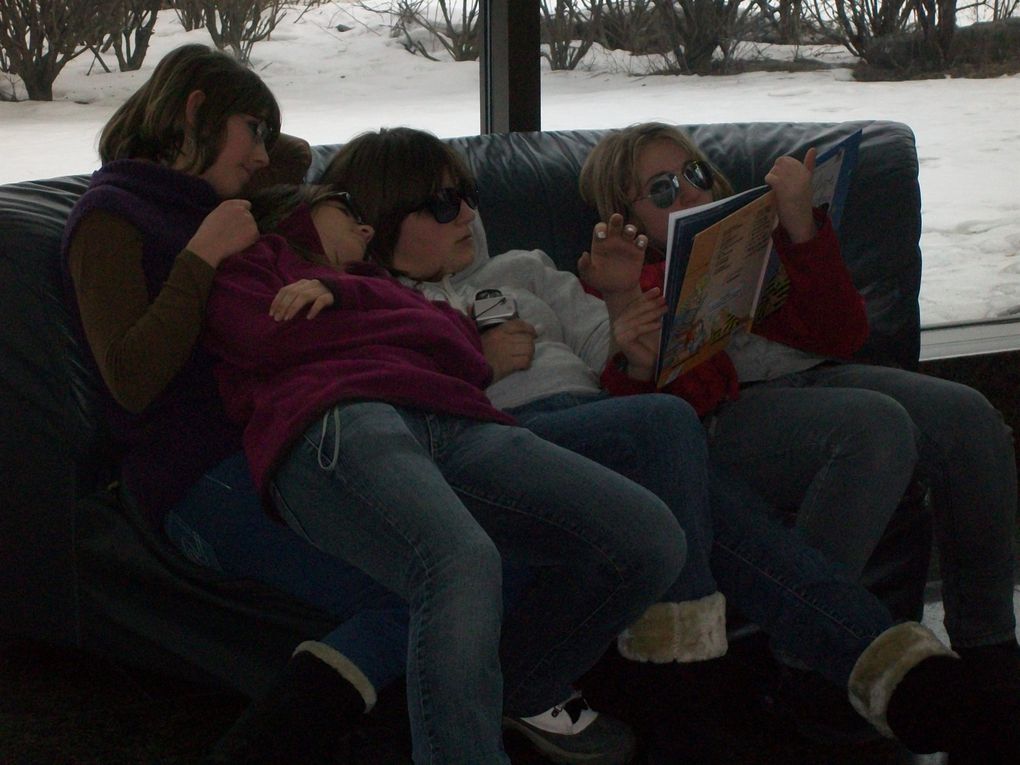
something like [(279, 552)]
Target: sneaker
[(573, 732)]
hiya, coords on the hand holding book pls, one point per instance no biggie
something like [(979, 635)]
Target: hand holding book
[(791, 181), (636, 331)]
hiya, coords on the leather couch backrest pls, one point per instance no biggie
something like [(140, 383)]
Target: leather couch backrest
[(529, 199)]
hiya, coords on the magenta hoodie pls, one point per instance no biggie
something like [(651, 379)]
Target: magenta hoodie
[(380, 341)]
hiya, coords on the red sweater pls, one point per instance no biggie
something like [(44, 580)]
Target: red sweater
[(823, 314), (380, 341)]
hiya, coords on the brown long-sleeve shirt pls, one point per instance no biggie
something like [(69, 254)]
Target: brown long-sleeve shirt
[(140, 345)]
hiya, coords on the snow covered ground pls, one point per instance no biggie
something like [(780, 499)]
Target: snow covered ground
[(333, 85)]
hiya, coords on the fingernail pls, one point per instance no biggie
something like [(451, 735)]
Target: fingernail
[(641, 242), (600, 234)]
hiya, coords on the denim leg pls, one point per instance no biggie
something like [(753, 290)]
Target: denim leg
[(601, 547), (380, 502), (842, 458), (656, 441), (220, 524), (811, 609), (966, 456)]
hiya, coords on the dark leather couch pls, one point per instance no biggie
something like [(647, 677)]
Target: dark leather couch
[(79, 568)]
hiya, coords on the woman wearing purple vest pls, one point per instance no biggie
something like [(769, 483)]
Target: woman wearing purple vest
[(141, 248)]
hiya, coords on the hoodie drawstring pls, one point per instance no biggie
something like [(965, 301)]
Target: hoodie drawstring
[(331, 463)]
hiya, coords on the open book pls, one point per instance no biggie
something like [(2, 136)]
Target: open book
[(722, 272)]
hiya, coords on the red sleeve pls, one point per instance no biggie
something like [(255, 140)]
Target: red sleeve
[(707, 385), (823, 313)]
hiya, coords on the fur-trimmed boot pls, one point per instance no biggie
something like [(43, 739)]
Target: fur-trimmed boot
[(694, 630), (302, 716), (912, 687)]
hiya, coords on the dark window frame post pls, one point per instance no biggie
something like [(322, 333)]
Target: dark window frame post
[(510, 66)]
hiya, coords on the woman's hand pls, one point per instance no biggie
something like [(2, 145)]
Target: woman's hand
[(290, 300), (616, 258), (226, 230), (791, 180), (636, 333), (509, 347)]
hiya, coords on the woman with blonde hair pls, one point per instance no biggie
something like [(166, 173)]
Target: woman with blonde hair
[(787, 408)]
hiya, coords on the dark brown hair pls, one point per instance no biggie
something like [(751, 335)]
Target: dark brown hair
[(391, 173), (151, 123)]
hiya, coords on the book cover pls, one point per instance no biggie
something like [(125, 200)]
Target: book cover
[(722, 271)]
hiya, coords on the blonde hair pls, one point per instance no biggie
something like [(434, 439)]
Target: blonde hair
[(609, 180)]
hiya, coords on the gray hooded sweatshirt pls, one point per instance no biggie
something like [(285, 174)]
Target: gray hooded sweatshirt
[(573, 332)]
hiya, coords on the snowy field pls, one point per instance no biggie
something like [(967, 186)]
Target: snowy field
[(333, 85)]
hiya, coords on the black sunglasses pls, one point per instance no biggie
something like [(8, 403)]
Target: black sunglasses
[(445, 203), (664, 187), (345, 199)]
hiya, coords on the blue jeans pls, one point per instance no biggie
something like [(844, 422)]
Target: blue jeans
[(812, 608), (426, 504), (841, 442), (222, 525), (656, 441)]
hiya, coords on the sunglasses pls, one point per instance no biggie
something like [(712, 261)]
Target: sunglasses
[(345, 199), (445, 203), (664, 187)]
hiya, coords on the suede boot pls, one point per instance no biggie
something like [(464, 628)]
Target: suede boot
[(694, 630), (912, 687), (301, 718)]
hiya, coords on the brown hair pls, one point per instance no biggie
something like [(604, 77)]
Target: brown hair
[(609, 180), (390, 173), (273, 205), (151, 123)]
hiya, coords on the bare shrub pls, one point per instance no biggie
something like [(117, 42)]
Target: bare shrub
[(39, 37), (7, 90), (453, 24), (1001, 9), (191, 13), (857, 24), (936, 21), (131, 41), (697, 29), (784, 17), (632, 25), (986, 49), (568, 30), (236, 25)]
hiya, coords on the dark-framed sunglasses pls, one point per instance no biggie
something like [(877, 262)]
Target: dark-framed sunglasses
[(345, 199), (664, 187), (444, 205)]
